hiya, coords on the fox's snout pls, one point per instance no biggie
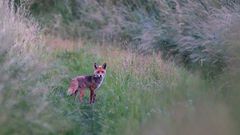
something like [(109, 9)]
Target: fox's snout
[(100, 76)]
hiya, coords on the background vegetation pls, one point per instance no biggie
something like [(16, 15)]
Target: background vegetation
[(188, 31), (44, 43)]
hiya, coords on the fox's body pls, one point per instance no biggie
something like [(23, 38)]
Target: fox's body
[(93, 82)]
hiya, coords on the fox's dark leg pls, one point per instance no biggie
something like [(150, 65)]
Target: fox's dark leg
[(91, 96), (81, 95), (94, 97), (75, 93)]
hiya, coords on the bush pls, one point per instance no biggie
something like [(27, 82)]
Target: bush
[(188, 31)]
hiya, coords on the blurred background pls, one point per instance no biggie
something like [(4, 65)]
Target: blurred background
[(173, 66)]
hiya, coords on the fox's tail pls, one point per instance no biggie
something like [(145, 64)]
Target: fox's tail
[(73, 87)]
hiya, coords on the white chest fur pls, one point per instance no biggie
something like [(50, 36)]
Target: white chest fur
[(100, 82)]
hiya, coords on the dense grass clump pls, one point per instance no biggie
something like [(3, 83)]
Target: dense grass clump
[(139, 91), (22, 65), (128, 97)]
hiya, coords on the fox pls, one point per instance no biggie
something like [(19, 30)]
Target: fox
[(92, 82)]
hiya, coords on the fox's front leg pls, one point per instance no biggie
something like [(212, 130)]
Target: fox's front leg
[(94, 97), (91, 98)]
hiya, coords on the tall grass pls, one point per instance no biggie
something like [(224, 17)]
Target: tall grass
[(23, 91), (141, 94)]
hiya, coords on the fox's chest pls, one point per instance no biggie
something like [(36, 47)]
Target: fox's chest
[(96, 84), (100, 83)]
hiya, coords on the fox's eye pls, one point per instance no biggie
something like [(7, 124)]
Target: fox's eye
[(103, 72), (98, 72)]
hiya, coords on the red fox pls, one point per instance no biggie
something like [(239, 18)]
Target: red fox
[(93, 82)]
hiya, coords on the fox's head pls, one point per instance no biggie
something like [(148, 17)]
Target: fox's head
[(100, 71)]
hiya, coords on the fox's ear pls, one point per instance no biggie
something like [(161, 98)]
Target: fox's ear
[(104, 66), (95, 65)]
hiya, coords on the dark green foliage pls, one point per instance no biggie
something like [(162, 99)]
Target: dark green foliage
[(185, 30)]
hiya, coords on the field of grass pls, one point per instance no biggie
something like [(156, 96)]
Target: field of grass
[(137, 89), (141, 94)]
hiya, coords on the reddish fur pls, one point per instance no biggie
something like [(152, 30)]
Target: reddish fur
[(80, 83)]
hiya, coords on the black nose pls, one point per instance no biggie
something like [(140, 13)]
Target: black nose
[(100, 76)]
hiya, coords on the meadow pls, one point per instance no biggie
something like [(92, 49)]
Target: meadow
[(143, 93)]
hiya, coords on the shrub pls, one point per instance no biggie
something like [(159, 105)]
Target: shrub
[(188, 31)]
